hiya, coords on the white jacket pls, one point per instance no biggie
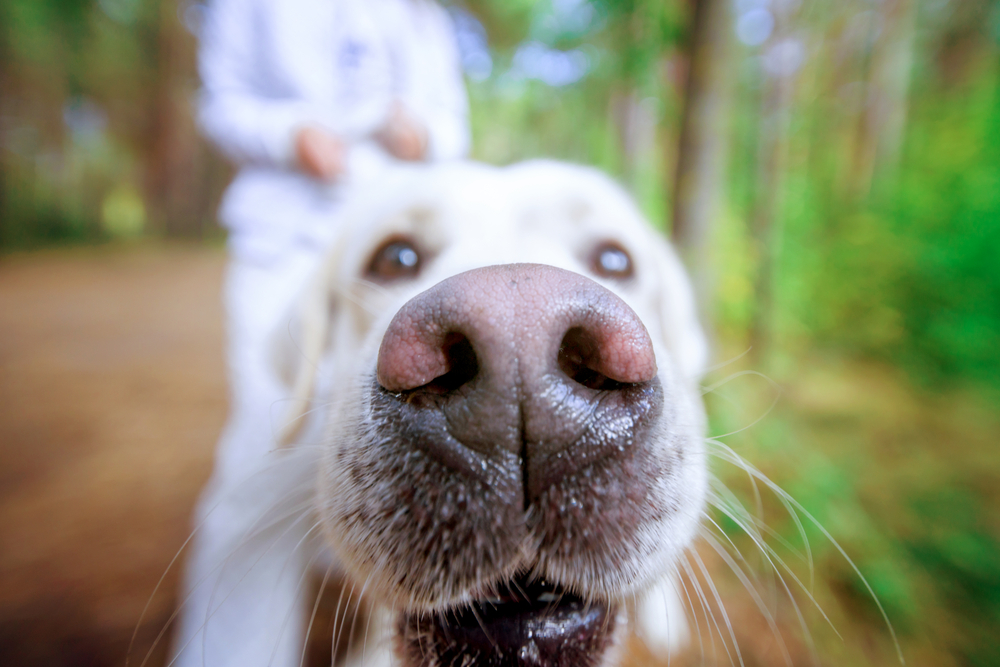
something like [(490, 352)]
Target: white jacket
[(271, 66)]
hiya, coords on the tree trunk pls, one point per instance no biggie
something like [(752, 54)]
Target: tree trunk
[(177, 158), (778, 86), (698, 179)]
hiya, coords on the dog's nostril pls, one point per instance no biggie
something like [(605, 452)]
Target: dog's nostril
[(579, 357), (463, 365)]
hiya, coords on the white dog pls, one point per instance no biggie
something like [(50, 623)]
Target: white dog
[(496, 436)]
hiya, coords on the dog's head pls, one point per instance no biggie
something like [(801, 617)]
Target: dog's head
[(514, 442)]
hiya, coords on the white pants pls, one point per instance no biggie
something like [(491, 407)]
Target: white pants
[(243, 589)]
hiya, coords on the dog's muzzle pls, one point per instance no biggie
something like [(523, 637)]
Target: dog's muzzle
[(520, 396)]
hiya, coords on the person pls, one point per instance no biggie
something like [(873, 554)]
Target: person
[(310, 98)]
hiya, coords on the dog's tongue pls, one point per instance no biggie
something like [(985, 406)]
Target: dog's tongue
[(532, 628)]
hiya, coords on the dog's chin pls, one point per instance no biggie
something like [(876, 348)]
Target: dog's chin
[(525, 623)]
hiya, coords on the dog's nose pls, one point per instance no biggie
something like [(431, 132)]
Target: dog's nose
[(528, 318), (528, 359)]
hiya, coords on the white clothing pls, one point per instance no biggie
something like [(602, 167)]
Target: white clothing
[(268, 68), (272, 66)]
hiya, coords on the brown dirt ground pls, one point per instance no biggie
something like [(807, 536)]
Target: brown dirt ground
[(112, 393)]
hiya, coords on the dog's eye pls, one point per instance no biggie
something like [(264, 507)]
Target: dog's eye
[(397, 258), (610, 260)]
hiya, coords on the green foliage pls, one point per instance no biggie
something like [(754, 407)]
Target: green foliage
[(947, 210), (508, 22), (641, 31), (904, 480), (913, 268), (78, 78)]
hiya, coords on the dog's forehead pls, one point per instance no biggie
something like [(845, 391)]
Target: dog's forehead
[(530, 212)]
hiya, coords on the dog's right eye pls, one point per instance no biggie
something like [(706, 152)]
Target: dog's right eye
[(395, 259), (610, 260)]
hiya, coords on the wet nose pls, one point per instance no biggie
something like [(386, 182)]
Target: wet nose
[(522, 358)]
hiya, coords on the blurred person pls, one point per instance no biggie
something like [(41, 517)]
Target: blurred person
[(309, 98)]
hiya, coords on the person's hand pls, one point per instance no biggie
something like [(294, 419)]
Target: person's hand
[(319, 153), (403, 135)]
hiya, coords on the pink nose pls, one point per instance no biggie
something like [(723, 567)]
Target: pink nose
[(520, 320), (519, 358)]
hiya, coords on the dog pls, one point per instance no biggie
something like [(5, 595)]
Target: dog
[(495, 436)]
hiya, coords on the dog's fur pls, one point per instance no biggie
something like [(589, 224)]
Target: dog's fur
[(340, 475)]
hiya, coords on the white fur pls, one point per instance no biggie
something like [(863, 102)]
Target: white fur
[(260, 533)]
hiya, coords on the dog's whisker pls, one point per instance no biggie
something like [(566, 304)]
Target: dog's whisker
[(794, 504), (368, 622), (339, 629), (708, 389), (770, 408), (293, 552), (778, 565), (777, 537), (301, 354), (300, 417), (420, 637), (673, 578), (178, 609), (170, 565), (754, 474), (358, 301), (744, 578), (757, 525), (358, 282), (738, 461), (723, 364), (711, 620), (312, 616), (336, 616), (635, 606), (170, 620), (354, 620), (702, 601), (739, 558), (722, 609), (375, 287), (152, 596), (693, 611), (725, 501), (209, 612), (519, 589), (199, 582), (722, 498), (750, 529), (732, 457), (482, 626), (291, 609)]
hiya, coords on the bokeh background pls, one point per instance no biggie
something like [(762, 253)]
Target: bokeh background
[(830, 170)]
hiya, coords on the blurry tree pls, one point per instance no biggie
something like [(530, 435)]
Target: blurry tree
[(96, 125), (775, 72), (698, 180)]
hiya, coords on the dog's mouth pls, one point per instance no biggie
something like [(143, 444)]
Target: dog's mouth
[(526, 622)]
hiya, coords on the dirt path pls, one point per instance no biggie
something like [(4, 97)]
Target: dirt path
[(112, 393)]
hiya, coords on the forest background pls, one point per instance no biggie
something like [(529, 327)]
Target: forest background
[(830, 170)]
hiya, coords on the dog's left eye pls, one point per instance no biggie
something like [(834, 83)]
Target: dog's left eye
[(610, 260), (396, 258)]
